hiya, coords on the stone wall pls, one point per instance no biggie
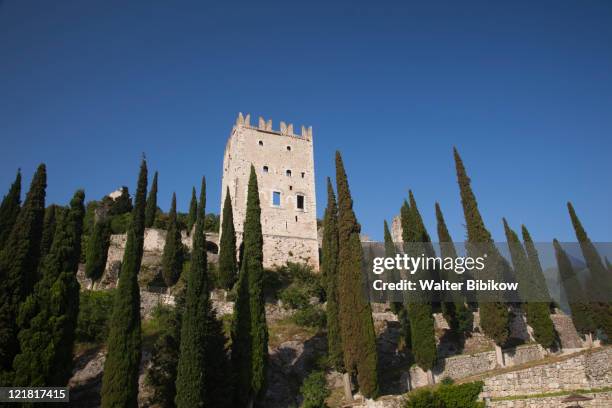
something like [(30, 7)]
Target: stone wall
[(568, 336), (600, 400), (590, 369)]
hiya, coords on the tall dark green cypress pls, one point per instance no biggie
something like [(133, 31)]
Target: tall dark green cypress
[(249, 329), (193, 210), (19, 265), (574, 292), (203, 370), (228, 263), (329, 269), (534, 262), (97, 249), (151, 210), (420, 312), (48, 317), (52, 213), (172, 257), (120, 376), (459, 317), (390, 252), (356, 325), (9, 209), (537, 312), (494, 315), (599, 284)]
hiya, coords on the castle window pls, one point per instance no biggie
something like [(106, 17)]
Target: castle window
[(296, 218), (300, 202), (288, 173), (288, 148), (290, 188), (303, 174), (276, 198), (265, 169), (261, 142)]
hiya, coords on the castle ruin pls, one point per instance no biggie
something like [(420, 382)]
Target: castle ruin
[(284, 164)]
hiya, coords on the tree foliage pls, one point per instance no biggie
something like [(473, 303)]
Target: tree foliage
[(9, 209), (228, 264), (574, 292), (193, 210), (538, 313), (172, 257), (329, 271), (19, 265), (120, 377), (97, 249), (355, 312), (494, 315), (48, 317), (249, 330), (151, 210)]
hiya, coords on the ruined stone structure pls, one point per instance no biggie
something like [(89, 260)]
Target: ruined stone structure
[(284, 164)]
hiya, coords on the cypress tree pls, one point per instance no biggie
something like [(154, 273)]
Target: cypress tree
[(122, 204), (494, 316), (249, 330), (599, 284), (390, 252), (203, 370), (120, 376), (172, 258), (538, 313), (355, 312), (420, 312), (536, 266), (151, 210), (9, 209), (97, 249), (48, 317), (459, 317), (228, 264), (49, 225), (329, 269), (576, 298), (193, 209), (18, 265)]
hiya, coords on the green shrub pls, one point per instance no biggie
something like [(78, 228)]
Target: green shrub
[(460, 395), (295, 297), (310, 316), (424, 398), (300, 285), (447, 395), (94, 312), (120, 223), (314, 390)]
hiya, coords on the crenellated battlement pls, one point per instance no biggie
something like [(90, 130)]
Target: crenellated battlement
[(266, 126)]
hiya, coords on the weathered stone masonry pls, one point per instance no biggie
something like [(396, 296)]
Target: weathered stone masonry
[(284, 164)]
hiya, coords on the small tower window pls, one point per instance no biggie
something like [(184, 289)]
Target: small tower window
[(296, 218), (288, 173), (261, 142), (303, 174), (290, 188), (288, 148), (265, 169), (276, 198), (300, 202)]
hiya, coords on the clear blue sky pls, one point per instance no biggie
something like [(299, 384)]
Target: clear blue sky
[(522, 88)]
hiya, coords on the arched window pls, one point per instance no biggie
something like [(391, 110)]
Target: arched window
[(261, 142), (288, 148), (288, 173), (265, 169)]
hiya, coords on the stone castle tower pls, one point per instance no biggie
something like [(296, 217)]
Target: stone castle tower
[(284, 164)]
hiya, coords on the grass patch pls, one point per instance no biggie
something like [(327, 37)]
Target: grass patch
[(286, 330)]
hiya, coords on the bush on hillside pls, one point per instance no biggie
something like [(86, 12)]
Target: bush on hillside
[(94, 311)]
